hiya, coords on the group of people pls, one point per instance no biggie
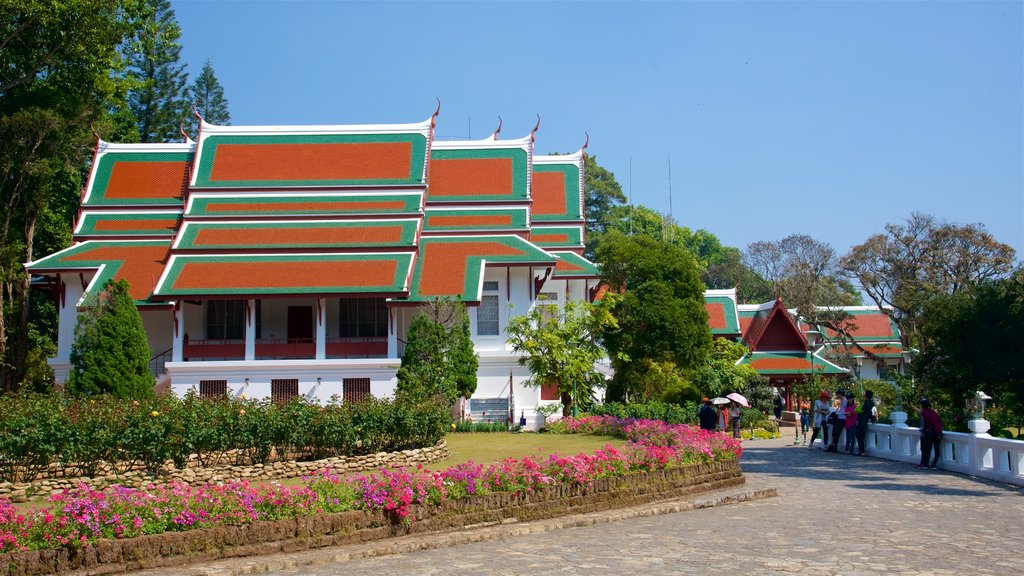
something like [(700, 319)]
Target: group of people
[(726, 417), (843, 415)]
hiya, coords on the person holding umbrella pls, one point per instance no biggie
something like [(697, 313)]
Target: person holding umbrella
[(734, 411)]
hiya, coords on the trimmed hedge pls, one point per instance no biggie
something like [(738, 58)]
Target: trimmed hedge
[(49, 434)]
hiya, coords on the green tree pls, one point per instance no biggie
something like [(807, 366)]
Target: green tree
[(719, 374), (439, 363), (975, 343), (57, 86), (902, 269), (158, 100), (208, 96), (601, 194), (661, 314), (561, 347), (111, 354)]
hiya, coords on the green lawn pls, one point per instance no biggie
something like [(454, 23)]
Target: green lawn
[(486, 448)]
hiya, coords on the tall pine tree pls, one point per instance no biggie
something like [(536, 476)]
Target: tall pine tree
[(208, 96), (159, 100)]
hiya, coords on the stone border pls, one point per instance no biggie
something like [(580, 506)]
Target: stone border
[(293, 535), (42, 489)]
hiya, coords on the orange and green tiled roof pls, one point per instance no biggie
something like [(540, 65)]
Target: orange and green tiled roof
[(475, 219), (137, 261), (287, 160), (795, 363), (290, 204), (556, 190), (880, 349), (722, 316), (478, 174), (284, 274), (454, 265), (94, 224), (123, 178), (557, 236), (572, 265), (868, 324), (307, 234)]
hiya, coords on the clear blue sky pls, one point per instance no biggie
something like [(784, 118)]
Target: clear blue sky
[(824, 118)]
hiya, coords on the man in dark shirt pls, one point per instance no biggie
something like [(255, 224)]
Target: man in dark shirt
[(708, 416)]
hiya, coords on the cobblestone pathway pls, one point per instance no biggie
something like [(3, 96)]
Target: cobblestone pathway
[(834, 515)]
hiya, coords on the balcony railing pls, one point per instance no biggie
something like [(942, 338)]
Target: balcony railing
[(285, 349)]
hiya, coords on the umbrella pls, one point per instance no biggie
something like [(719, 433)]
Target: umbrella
[(719, 400), (739, 398)]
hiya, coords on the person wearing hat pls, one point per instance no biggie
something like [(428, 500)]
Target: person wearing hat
[(839, 425), (821, 406)]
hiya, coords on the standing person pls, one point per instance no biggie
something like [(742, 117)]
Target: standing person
[(839, 424), (734, 417), (778, 406), (865, 415), (821, 406), (723, 418), (850, 423), (707, 416), (805, 423), (931, 434)]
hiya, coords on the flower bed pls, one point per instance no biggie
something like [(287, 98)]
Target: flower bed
[(659, 461)]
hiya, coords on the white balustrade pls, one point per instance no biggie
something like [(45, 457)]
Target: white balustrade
[(980, 455)]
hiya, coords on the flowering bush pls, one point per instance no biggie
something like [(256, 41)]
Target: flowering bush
[(81, 516)]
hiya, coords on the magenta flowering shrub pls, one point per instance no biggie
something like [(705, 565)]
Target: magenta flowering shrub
[(81, 516)]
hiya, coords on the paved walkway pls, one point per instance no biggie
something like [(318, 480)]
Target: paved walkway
[(834, 515)]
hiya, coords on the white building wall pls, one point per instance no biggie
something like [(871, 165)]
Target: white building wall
[(159, 326)]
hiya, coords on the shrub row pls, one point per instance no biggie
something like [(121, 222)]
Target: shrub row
[(668, 413), (86, 436)]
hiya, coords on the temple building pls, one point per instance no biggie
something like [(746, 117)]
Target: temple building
[(285, 260)]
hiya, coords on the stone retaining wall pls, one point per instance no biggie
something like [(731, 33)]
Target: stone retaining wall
[(270, 537), (41, 489)]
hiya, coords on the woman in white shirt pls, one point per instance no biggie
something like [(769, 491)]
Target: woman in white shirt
[(821, 406)]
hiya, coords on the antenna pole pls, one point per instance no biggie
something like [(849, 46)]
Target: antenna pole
[(630, 194)]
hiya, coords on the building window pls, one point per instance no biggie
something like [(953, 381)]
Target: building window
[(883, 371), (548, 301), (355, 389), (363, 318), (225, 319), (213, 388), (282, 391), (487, 311)]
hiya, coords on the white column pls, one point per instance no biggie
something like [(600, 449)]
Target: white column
[(250, 329), (178, 343), (68, 318), (392, 332), (321, 329)]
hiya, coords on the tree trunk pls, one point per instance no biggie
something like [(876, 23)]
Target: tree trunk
[(21, 349), (566, 404)]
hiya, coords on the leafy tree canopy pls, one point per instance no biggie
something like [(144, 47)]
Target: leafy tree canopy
[(660, 314), (111, 354), (561, 347), (208, 96)]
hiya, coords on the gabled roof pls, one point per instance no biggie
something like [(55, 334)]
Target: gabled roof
[(126, 223), (557, 236), (286, 204), (300, 156), (879, 349), (138, 175), (297, 234), (480, 170), (476, 219), (723, 317), (220, 275), (790, 363), (454, 265), (772, 328), (137, 261), (571, 265), (866, 324), (557, 188)]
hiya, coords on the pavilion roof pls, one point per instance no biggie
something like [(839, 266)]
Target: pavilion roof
[(557, 188), (723, 317), (243, 274), (572, 265), (454, 265), (879, 349), (311, 156), (277, 235), (138, 175), (866, 324), (476, 219), (557, 236), (137, 261), (118, 224), (480, 171), (789, 363), (297, 204)]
